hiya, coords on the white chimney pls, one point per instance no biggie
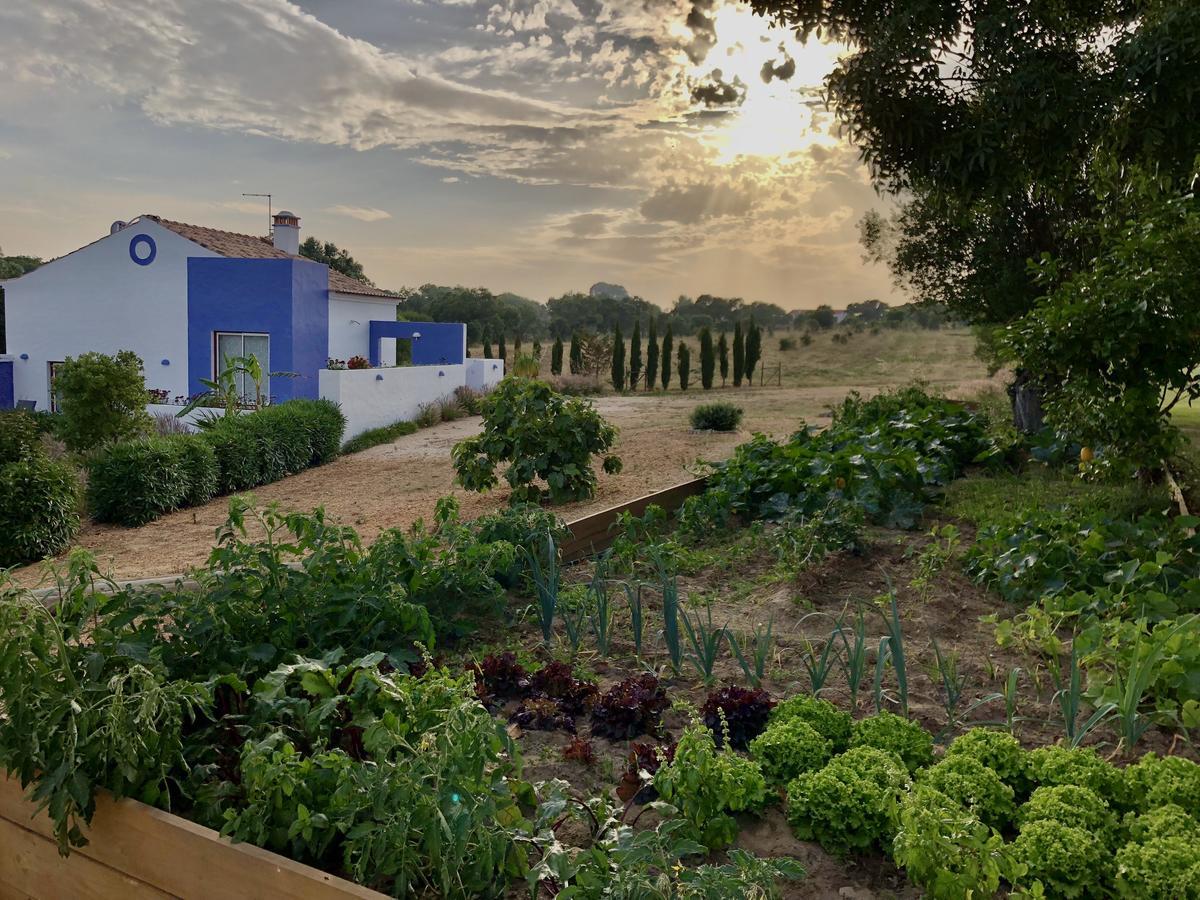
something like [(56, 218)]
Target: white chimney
[(287, 232)]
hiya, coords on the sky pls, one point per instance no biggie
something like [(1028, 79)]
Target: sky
[(535, 146)]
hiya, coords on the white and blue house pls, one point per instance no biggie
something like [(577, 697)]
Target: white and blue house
[(186, 297)]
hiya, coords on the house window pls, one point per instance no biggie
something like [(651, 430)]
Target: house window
[(232, 345), (54, 367)]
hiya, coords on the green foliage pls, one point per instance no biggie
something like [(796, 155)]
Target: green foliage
[(335, 257), (665, 361), (556, 357), (852, 804), (826, 719), (1067, 860), (618, 360), (706, 784), (1069, 804), (802, 540), (39, 509), (1080, 766), (999, 751), (635, 355), (685, 365), (102, 399), (788, 748), (970, 783), (524, 525), (198, 463), (1164, 868), (1154, 781), (543, 436), (739, 355), (947, 850), (373, 437), (1168, 820), (896, 734), (723, 357), (485, 314), (19, 436), (652, 350), (708, 361), (753, 351), (134, 482), (716, 417)]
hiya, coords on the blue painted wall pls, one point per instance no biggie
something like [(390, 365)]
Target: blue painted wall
[(440, 343), (7, 396), (285, 298)]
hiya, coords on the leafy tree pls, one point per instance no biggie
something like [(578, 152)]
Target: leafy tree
[(544, 437), (685, 365), (537, 349), (723, 357), (481, 310), (576, 357), (823, 316), (618, 360), (708, 359), (102, 399), (596, 314), (556, 357), (652, 354), (13, 267), (597, 350), (753, 351), (635, 355), (501, 350), (739, 354), (335, 257), (517, 344), (666, 358)]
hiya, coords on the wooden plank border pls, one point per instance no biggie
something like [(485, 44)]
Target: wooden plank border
[(135, 851), (594, 533)]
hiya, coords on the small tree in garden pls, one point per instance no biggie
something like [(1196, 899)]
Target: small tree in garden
[(723, 357), (501, 349), (102, 398), (576, 358), (666, 358), (556, 357), (652, 354), (597, 352), (487, 347), (635, 355), (753, 351), (739, 354), (544, 437), (685, 365), (537, 349), (618, 360), (708, 359), (517, 344)]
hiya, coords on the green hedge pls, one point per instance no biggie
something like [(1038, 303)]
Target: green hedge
[(385, 434), (39, 508), (135, 482), (18, 436)]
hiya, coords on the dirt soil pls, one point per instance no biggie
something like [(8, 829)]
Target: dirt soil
[(395, 484)]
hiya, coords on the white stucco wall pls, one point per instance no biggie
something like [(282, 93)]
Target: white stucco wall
[(97, 298), (350, 322), (484, 374), (372, 398)]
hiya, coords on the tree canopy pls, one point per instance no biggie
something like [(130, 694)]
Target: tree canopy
[(335, 257), (12, 267), (485, 314)]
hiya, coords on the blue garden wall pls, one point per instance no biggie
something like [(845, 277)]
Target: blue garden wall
[(285, 298), (440, 343)]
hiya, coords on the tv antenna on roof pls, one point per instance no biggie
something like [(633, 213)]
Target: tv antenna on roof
[(270, 212)]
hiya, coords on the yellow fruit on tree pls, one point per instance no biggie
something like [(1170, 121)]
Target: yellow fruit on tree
[(1086, 455), (840, 482)]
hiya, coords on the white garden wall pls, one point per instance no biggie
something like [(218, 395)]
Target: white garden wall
[(372, 398), (484, 374)]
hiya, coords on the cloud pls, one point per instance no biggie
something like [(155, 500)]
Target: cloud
[(362, 213), (693, 203)]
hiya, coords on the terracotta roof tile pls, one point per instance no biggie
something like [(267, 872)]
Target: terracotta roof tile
[(250, 246)]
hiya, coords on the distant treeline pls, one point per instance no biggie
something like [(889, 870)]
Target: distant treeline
[(489, 316)]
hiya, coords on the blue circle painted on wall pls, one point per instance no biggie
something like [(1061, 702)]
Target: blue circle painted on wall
[(142, 249)]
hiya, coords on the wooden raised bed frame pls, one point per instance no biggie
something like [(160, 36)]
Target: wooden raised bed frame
[(136, 851)]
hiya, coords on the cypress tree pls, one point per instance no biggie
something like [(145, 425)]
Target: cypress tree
[(739, 354), (501, 350), (666, 358), (652, 354), (618, 360), (556, 353), (487, 347), (753, 351), (708, 359), (537, 349), (723, 357), (635, 355), (685, 365), (517, 345), (576, 360)]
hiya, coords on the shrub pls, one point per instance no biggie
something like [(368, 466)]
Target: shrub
[(904, 737), (744, 712), (500, 677), (852, 804), (167, 424), (1067, 860), (471, 400), (825, 718), (947, 850), (372, 437), (102, 399), (358, 362), (428, 415), (1069, 804), (543, 436), (523, 525), (999, 751), (706, 784), (973, 785), (789, 748), (1080, 766), (1165, 868), (1154, 781), (630, 708), (449, 410), (236, 453), (19, 437), (716, 417), (323, 422), (134, 482), (39, 509)]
